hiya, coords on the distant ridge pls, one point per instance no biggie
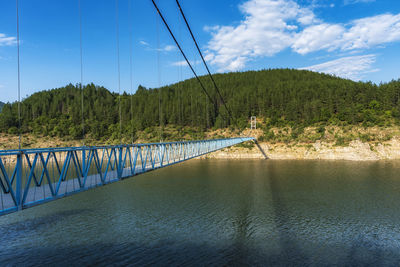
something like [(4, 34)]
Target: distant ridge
[(278, 97)]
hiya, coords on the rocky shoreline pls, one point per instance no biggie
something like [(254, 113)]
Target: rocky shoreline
[(355, 151)]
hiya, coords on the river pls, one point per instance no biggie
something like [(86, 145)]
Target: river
[(220, 212)]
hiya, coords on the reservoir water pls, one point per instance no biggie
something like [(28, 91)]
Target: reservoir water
[(220, 212)]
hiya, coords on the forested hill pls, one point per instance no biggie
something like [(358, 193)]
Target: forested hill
[(1, 105), (280, 96)]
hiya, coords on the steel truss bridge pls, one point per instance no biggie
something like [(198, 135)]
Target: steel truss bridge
[(29, 177)]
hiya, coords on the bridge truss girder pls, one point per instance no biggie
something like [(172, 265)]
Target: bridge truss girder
[(30, 177)]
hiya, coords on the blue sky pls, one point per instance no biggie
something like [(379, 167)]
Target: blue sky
[(356, 39)]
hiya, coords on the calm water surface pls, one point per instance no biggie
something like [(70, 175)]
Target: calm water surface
[(220, 212)]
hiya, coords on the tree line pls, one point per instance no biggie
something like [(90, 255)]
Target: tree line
[(282, 97)]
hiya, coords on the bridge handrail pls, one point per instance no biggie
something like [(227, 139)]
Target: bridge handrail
[(11, 152)]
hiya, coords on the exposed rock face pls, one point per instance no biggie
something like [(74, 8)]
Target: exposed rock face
[(356, 150)]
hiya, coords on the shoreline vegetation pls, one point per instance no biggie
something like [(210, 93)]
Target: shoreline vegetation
[(351, 142), (300, 115)]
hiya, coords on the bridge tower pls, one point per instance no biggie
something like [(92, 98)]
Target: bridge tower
[(253, 123)]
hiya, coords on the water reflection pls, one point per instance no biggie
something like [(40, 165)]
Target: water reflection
[(364, 252), (242, 224), (36, 224), (277, 213), (290, 253)]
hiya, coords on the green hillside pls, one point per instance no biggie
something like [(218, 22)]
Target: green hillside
[(282, 97)]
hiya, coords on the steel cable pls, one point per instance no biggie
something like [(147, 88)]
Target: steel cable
[(131, 63), (159, 79), (119, 70), (204, 62), (81, 63), (180, 48), (19, 79)]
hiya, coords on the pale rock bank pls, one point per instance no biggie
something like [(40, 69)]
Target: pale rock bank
[(356, 151)]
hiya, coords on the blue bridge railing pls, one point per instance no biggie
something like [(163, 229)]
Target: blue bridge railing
[(30, 177)]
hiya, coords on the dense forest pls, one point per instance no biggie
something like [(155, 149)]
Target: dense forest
[(1, 105), (281, 97)]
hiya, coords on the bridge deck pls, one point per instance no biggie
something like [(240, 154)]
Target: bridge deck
[(31, 177)]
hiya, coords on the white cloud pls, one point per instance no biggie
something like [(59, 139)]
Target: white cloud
[(350, 2), (271, 26), (179, 63), (372, 31), (354, 67), (7, 40), (318, 37), (183, 63), (363, 33), (168, 48), (266, 30)]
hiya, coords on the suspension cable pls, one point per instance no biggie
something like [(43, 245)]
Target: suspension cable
[(119, 71), (81, 59), (183, 54), (130, 61), (19, 81), (178, 86), (180, 90), (206, 112), (195, 102), (204, 62), (159, 80)]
